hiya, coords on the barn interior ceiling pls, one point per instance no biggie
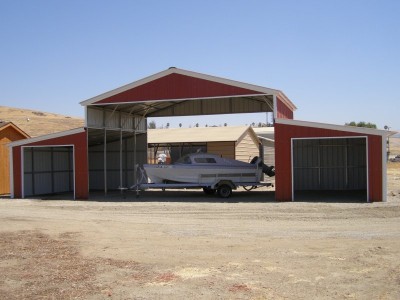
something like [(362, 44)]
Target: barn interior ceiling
[(185, 107)]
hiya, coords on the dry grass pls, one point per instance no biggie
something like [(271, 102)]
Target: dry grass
[(37, 123), (394, 146), (36, 266)]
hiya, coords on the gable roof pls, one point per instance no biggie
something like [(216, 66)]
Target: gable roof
[(179, 84), (4, 125), (198, 134)]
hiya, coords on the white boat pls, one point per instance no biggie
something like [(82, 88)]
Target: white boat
[(205, 168)]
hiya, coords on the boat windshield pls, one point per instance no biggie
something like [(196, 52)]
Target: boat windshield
[(184, 160), (187, 160), (205, 160)]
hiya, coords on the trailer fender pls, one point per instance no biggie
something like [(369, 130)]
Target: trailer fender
[(224, 182), (224, 188)]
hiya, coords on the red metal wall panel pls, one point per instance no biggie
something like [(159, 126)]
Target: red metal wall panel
[(283, 158), (177, 86), (282, 110), (79, 141), (375, 168)]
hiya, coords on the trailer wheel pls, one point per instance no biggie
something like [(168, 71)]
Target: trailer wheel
[(224, 191), (209, 191)]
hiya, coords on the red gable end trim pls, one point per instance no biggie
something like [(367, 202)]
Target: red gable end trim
[(177, 86)]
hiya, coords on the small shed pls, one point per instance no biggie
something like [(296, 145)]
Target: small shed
[(9, 132), (237, 142)]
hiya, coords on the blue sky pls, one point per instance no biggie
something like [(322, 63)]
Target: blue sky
[(338, 61)]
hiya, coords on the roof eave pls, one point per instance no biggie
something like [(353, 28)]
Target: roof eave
[(361, 130), (46, 137)]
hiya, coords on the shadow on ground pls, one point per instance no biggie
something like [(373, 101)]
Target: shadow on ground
[(196, 195)]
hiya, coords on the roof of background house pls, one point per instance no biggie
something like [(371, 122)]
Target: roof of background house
[(197, 134), (5, 124)]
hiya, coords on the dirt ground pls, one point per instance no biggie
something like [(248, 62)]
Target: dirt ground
[(186, 245)]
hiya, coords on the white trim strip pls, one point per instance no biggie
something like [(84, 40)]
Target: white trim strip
[(74, 170), (344, 128)]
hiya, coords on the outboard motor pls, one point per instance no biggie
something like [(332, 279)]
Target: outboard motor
[(268, 170)]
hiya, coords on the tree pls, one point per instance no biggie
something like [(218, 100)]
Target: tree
[(180, 125), (152, 125), (167, 125), (362, 124), (197, 124)]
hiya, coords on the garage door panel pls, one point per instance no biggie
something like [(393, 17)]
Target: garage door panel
[(42, 183), (356, 155), (28, 188), (28, 160), (333, 156), (306, 154), (329, 164), (61, 160), (61, 182), (306, 179), (48, 170), (333, 179), (42, 160), (357, 178)]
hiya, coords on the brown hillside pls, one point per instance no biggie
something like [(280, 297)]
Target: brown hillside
[(37, 123)]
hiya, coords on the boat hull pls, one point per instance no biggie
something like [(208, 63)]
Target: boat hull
[(201, 174)]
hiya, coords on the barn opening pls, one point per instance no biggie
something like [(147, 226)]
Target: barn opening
[(330, 169), (112, 157), (48, 170), (113, 116)]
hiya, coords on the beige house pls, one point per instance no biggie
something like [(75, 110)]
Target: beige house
[(239, 142)]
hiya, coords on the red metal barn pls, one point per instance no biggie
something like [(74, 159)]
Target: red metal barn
[(104, 155)]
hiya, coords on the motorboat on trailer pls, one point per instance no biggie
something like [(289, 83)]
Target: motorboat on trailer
[(206, 168)]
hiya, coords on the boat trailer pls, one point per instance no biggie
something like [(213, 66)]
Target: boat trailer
[(220, 186)]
